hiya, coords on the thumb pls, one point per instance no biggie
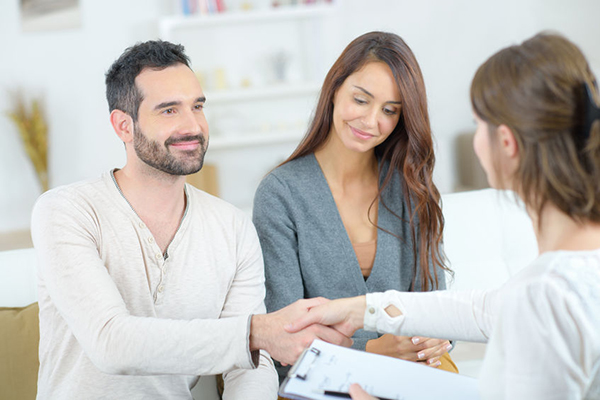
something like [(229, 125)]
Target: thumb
[(357, 393), (300, 323)]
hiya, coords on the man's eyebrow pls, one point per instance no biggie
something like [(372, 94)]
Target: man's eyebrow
[(168, 104), (370, 95)]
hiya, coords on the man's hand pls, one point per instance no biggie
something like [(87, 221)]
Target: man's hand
[(345, 315), (267, 332)]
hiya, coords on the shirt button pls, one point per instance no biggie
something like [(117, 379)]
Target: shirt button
[(161, 288), (371, 310), (150, 240), (142, 225), (158, 255)]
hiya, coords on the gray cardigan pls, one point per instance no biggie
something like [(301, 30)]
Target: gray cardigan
[(307, 250)]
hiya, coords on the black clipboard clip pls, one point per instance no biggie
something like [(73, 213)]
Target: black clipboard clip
[(304, 364)]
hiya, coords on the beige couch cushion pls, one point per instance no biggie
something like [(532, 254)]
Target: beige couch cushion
[(19, 339)]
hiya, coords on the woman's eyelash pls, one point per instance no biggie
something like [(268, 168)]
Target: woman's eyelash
[(385, 110)]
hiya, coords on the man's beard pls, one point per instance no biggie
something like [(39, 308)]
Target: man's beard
[(160, 157)]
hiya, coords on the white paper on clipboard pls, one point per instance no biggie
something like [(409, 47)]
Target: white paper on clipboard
[(323, 367)]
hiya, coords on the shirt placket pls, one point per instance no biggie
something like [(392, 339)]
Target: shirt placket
[(160, 262), (159, 289)]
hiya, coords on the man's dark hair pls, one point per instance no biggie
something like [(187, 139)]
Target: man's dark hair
[(121, 92)]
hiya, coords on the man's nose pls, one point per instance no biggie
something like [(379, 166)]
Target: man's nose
[(190, 123)]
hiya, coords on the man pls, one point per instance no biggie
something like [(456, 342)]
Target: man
[(145, 282)]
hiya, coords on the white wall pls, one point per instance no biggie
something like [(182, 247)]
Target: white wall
[(67, 68), (450, 38)]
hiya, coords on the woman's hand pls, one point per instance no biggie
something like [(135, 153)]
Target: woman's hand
[(344, 315), (266, 332), (416, 348), (357, 393)]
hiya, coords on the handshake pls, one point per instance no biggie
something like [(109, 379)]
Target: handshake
[(287, 332)]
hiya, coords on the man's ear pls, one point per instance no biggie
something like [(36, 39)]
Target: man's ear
[(123, 125), (507, 143)]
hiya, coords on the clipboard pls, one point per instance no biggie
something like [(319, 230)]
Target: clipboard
[(325, 372)]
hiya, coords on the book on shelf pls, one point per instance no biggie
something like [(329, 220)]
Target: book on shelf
[(201, 7), (185, 7), (286, 3), (220, 5), (211, 6), (207, 7)]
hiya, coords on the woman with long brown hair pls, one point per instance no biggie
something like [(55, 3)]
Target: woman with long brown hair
[(538, 134), (354, 209)]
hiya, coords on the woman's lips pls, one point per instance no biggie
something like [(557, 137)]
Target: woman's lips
[(360, 134)]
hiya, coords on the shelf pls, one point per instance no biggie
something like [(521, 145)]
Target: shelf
[(239, 142), (263, 93), (277, 14)]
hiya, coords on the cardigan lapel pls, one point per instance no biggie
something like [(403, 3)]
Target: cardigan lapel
[(352, 268)]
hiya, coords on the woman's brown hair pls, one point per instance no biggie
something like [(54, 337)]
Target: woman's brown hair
[(408, 149), (538, 90)]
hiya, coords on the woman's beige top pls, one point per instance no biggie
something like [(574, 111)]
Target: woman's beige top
[(365, 254)]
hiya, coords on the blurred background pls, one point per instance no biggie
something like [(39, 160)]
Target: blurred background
[(261, 64)]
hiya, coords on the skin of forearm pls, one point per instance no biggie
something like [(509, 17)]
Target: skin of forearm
[(258, 325)]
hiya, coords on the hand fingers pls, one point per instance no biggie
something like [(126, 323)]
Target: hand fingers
[(357, 393), (302, 322), (418, 339), (434, 362), (433, 352), (331, 335), (308, 318), (431, 347), (435, 342), (315, 301), (423, 343), (318, 313), (344, 328)]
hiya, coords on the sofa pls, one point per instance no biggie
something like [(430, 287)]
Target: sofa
[(488, 237)]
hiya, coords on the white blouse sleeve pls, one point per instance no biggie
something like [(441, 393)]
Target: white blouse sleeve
[(457, 315)]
